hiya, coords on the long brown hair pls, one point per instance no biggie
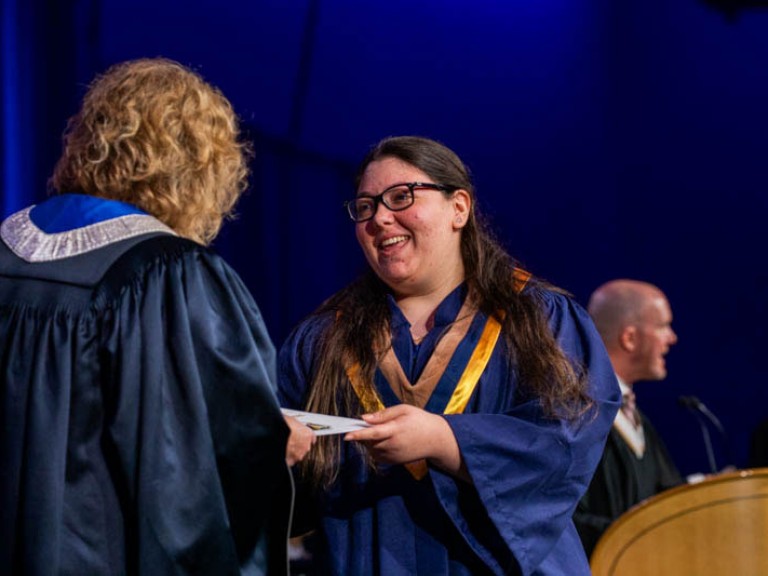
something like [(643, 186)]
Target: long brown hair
[(362, 314)]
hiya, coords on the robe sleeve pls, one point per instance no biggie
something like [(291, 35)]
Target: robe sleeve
[(529, 471), (614, 488), (193, 420), (607, 496)]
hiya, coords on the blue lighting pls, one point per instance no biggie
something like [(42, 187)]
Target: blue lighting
[(11, 154)]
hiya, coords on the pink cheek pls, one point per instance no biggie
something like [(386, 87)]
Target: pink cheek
[(417, 218)]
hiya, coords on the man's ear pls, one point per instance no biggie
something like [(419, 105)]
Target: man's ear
[(628, 338)]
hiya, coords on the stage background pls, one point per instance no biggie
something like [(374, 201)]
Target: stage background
[(607, 139)]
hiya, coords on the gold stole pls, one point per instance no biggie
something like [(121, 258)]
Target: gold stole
[(418, 394)]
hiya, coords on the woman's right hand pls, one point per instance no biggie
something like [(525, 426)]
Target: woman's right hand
[(403, 434)]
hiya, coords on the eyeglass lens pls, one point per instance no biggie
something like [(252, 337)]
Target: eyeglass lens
[(396, 198)]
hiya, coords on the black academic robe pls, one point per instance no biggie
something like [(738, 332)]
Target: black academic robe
[(623, 480), (139, 429)]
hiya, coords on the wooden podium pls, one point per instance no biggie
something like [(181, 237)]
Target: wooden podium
[(718, 527)]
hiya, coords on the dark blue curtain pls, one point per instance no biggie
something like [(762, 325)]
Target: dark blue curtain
[(46, 46)]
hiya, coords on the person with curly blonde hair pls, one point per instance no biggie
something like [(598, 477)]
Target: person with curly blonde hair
[(156, 135), (486, 391), (140, 428)]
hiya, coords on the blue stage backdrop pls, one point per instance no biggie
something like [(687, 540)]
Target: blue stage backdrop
[(607, 139)]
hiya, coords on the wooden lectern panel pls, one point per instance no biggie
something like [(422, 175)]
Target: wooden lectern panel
[(714, 528)]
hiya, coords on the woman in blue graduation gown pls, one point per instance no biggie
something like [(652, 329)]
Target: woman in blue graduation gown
[(140, 428), (488, 392)]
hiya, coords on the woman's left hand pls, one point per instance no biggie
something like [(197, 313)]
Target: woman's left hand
[(404, 433), (300, 441)]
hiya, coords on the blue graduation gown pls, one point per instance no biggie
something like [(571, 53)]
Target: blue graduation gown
[(528, 471), (140, 431)]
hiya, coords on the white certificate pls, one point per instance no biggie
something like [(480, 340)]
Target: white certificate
[(323, 424)]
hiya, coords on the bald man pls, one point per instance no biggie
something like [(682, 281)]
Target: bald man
[(635, 321)]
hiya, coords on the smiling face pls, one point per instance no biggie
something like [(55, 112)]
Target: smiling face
[(654, 337), (634, 319), (417, 250)]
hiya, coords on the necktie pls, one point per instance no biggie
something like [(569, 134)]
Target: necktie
[(629, 407)]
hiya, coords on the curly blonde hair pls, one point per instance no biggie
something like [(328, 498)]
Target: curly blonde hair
[(153, 133)]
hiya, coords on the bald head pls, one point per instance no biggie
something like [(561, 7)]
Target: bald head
[(620, 302), (634, 320)]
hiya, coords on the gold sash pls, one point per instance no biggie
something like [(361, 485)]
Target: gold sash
[(419, 394)]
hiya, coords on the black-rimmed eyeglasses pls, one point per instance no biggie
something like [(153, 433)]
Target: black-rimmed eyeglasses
[(397, 197)]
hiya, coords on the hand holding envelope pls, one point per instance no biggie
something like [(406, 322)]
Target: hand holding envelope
[(323, 424)]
